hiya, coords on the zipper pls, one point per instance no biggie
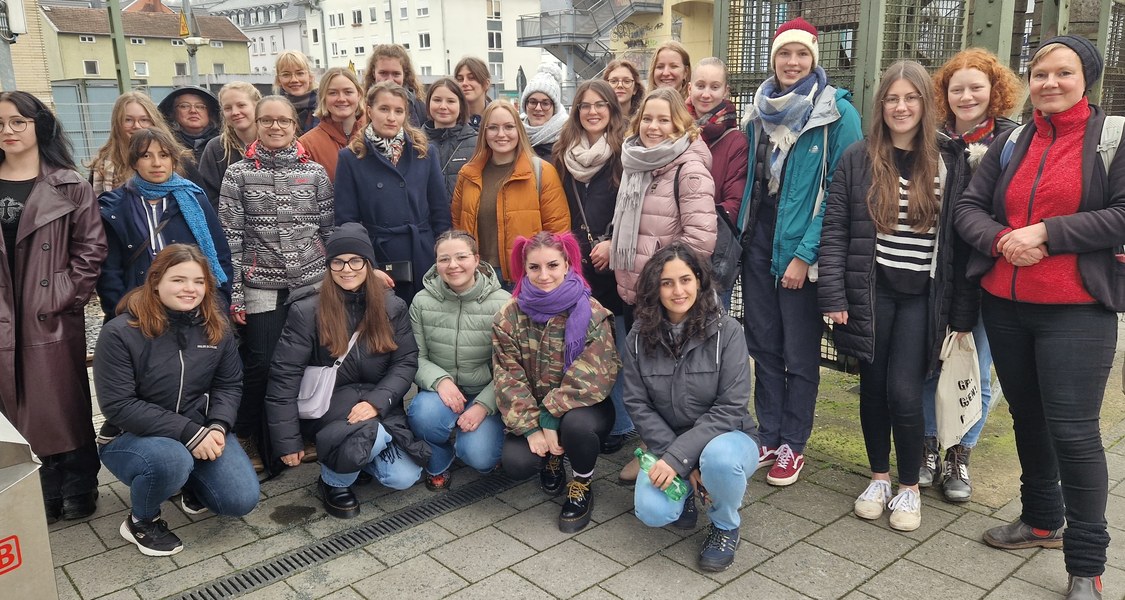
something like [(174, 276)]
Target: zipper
[(180, 393), (1034, 188), (457, 333)]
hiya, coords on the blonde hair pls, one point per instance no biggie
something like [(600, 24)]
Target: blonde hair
[(292, 59), (325, 81), (682, 120), (523, 145), (232, 144), (417, 137), (678, 48), (115, 151)]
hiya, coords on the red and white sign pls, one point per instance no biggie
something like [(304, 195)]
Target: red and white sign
[(10, 558)]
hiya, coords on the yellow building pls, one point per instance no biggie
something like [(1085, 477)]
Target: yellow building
[(79, 48), (688, 21)]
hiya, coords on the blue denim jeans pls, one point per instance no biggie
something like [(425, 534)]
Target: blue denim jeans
[(726, 464), (154, 468), (433, 421), (929, 390), (622, 424), (388, 464)]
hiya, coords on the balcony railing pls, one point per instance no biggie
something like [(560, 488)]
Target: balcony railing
[(582, 24)]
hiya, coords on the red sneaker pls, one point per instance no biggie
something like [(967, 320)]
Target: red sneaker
[(786, 468), (766, 456)]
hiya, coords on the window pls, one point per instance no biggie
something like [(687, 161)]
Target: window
[(423, 41), (387, 10), (343, 51), (88, 39), (335, 49), (140, 68), (254, 18), (360, 50), (216, 44), (273, 44), (426, 71), (423, 7), (90, 67), (137, 41), (494, 40), (332, 20), (261, 45), (403, 11), (357, 17), (315, 36), (492, 9), (497, 70), (181, 69), (178, 43), (219, 68), (374, 14)]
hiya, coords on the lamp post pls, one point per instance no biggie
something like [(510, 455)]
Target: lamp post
[(193, 43)]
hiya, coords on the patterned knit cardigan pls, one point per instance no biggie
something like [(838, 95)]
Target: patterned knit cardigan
[(277, 212)]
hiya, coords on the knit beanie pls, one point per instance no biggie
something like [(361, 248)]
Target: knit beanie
[(350, 238), (547, 80), (1087, 53), (800, 31)]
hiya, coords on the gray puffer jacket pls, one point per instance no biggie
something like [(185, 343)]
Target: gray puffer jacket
[(456, 146), (680, 405)]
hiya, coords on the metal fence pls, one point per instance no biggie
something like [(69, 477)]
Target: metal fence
[(1113, 82)]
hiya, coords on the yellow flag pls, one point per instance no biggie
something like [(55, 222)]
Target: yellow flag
[(183, 26), (351, 66)]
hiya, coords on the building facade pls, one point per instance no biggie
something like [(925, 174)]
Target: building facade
[(272, 27)]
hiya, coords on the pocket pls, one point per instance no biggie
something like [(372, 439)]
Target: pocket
[(62, 292)]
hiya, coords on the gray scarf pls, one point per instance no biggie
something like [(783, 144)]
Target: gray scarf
[(584, 160), (638, 164), (547, 133)]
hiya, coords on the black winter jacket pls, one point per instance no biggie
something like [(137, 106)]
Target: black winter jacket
[(174, 385), (598, 199), (847, 258), (456, 146), (379, 379)]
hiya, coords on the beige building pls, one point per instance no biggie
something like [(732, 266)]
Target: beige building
[(79, 48), (29, 56), (690, 22)]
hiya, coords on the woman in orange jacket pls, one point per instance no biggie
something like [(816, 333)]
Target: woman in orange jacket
[(505, 191)]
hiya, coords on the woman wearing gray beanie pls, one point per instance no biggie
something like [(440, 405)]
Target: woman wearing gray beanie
[(543, 112), (1045, 213)]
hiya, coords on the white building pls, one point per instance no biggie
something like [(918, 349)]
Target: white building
[(438, 34), (273, 26)]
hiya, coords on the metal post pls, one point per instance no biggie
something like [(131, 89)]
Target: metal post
[(869, 54), (193, 28), (990, 25), (720, 41), (1105, 13), (7, 70), (1056, 18), (120, 54)]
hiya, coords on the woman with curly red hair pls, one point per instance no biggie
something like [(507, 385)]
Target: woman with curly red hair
[(972, 92)]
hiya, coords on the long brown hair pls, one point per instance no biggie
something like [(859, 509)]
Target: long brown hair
[(638, 84), (462, 104), (116, 148), (399, 53), (150, 314), (882, 199), (144, 138), (374, 327), (416, 136), (572, 131)]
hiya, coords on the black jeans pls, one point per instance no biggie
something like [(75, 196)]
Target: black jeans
[(890, 386), (260, 336), (1053, 362), (581, 432)]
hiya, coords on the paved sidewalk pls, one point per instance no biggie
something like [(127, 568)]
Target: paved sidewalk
[(797, 542)]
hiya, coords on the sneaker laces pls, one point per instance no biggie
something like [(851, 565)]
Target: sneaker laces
[(877, 491), (784, 455), (958, 466), (907, 500), (576, 490), (719, 540)]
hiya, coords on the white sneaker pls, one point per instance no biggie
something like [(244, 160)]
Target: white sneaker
[(906, 510), (870, 503)]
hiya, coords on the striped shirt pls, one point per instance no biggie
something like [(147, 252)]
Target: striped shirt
[(904, 256)]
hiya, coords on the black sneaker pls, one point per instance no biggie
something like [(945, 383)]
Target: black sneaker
[(1019, 535), (190, 503), (151, 537), (717, 553), (930, 472), (552, 477), (956, 485), (690, 515), (579, 505)]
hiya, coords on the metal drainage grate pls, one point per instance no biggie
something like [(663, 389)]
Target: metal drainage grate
[(308, 556)]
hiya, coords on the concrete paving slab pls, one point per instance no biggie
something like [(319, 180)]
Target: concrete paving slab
[(755, 585), (660, 578), (537, 526), (262, 549), (419, 578), (63, 585), (814, 572), (972, 561), (772, 528), (626, 540), (214, 536), (466, 558), (336, 573), (686, 553), (812, 502), (477, 515), (1017, 589), (115, 569), (524, 495), (504, 585), (75, 543), (862, 542), (284, 511), (407, 544), (567, 569), (275, 591), (595, 593), (906, 580), (184, 578)]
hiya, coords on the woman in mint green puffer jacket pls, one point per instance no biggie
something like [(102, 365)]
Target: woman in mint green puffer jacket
[(452, 322)]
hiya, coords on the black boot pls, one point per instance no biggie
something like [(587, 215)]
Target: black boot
[(54, 509), (578, 507), (1084, 588), (956, 486), (930, 473), (79, 506), (340, 502), (612, 443), (552, 477)]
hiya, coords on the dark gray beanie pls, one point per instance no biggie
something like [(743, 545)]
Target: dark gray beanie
[(1087, 52), (350, 238)]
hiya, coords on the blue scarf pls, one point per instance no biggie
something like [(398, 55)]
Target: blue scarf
[(572, 295), (784, 114), (185, 192)]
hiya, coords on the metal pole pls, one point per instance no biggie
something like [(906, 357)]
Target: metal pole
[(7, 70), (1104, 15), (193, 64), (120, 54)]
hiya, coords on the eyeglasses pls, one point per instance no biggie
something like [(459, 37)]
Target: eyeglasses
[(621, 82), (445, 259), (909, 99), (16, 125), (496, 129), (185, 106), (354, 263), (540, 103), (141, 122), (283, 122), (592, 106)]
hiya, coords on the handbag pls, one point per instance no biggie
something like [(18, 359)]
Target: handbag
[(401, 271), (957, 403), (317, 385), (728, 252)]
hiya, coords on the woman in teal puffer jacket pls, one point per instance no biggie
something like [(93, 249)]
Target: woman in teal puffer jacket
[(452, 321)]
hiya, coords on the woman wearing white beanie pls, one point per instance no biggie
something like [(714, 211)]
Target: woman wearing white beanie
[(543, 113)]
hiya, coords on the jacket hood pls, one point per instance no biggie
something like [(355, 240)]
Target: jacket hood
[(486, 283), (165, 106)]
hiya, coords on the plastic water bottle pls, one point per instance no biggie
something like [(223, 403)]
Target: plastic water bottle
[(679, 487)]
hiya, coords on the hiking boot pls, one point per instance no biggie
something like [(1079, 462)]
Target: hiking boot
[(190, 503), (250, 447), (340, 502), (1083, 588), (873, 500), (956, 485), (931, 463), (79, 506), (718, 549), (1015, 536), (151, 537), (766, 456), (906, 510), (690, 515), (579, 505), (786, 468), (551, 475), (612, 443), (439, 482)]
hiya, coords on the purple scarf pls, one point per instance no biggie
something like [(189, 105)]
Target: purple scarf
[(571, 295)]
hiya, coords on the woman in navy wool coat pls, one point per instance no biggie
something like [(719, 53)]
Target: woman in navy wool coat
[(390, 180)]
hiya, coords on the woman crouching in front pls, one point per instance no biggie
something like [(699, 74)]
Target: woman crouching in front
[(169, 381), (357, 319)]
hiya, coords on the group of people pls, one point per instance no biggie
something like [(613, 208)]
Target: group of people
[(544, 278)]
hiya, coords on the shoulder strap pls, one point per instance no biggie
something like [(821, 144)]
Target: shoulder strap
[(1112, 128), (351, 344), (1009, 147), (142, 248), (537, 164), (676, 184)]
